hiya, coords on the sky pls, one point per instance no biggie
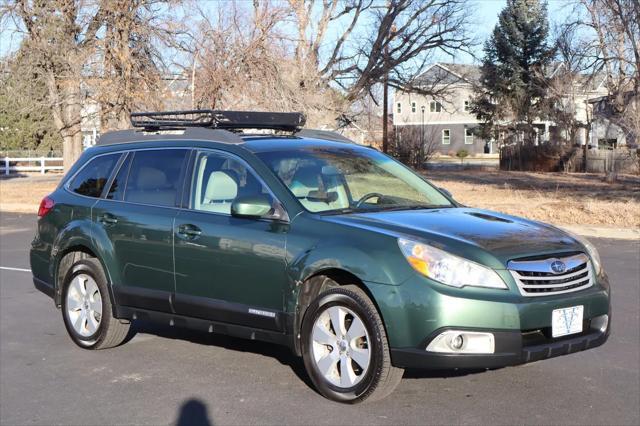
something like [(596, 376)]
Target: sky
[(487, 12), (486, 18)]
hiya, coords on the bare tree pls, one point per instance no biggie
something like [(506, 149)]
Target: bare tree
[(340, 50), (614, 49), (60, 36), (416, 145), (242, 60), (570, 86), (616, 45), (130, 61), (91, 51), (401, 39)]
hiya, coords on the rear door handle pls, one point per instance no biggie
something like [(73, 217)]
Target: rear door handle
[(108, 219), (190, 232)]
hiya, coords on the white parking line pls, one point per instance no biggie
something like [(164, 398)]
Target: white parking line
[(15, 269)]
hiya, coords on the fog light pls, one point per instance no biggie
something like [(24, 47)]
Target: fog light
[(600, 323), (457, 342), (463, 342)]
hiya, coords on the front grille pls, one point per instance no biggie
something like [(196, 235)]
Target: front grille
[(537, 278)]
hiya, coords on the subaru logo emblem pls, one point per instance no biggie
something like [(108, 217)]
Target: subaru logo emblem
[(558, 266)]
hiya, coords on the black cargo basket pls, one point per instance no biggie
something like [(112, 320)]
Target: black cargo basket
[(214, 119)]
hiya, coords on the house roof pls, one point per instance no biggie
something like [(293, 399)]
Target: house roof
[(628, 96), (445, 73), (448, 73)]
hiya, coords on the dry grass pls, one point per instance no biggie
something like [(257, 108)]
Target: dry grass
[(563, 199), (23, 194)]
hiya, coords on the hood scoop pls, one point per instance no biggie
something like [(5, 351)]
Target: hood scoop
[(488, 217)]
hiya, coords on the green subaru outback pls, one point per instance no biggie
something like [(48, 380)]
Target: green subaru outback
[(300, 237)]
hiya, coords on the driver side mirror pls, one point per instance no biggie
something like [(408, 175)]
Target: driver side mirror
[(251, 206)]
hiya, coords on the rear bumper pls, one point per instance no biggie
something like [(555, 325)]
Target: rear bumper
[(510, 349), (44, 287)]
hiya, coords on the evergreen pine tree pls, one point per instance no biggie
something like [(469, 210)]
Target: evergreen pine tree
[(517, 56)]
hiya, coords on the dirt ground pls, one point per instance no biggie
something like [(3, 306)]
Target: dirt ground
[(562, 199)]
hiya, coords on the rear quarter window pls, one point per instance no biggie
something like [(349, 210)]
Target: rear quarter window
[(116, 192), (92, 178)]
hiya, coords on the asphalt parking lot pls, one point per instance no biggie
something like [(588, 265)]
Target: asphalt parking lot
[(165, 375)]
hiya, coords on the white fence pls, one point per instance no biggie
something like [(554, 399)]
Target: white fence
[(33, 164)]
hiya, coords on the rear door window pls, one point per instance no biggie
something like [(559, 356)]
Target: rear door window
[(155, 177), (92, 178)]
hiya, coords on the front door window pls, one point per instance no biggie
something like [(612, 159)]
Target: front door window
[(218, 180)]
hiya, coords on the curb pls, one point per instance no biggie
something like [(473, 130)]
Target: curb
[(603, 232)]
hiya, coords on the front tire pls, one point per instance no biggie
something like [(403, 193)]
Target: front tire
[(86, 307), (345, 347)]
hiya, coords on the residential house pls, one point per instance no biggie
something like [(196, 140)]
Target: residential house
[(612, 128), (446, 124)]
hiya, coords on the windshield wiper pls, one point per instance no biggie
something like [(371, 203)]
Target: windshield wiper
[(390, 207), (346, 210), (414, 207)]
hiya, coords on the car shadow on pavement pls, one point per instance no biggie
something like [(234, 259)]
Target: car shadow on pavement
[(193, 413), (281, 353), (440, 374)]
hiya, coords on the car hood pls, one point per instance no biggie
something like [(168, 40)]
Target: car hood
[(484, 236)]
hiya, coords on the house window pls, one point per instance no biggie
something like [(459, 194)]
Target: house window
[(467, 106), (435, 106), (446, 136), (468, 136), (413, 107), (399, 108)]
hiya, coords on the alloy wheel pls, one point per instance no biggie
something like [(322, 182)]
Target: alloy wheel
[(84, 305), (340, 346)]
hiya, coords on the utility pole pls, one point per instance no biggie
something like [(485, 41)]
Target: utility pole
[(422, 108), (385, 103), (385, 95)]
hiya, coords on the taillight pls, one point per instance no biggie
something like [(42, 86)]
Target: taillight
[(46, 205)]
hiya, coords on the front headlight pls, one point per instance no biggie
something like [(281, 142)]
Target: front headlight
[(591, 251), (447, 268)]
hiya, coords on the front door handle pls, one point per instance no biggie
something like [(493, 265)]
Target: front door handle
[(108, 219), (190, 232)]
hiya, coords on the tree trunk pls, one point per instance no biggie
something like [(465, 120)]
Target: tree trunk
[(585, 148), (71, 149), (71, 130)]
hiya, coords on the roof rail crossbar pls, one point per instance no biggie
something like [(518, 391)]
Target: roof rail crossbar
[(189, 133), (215, 119)]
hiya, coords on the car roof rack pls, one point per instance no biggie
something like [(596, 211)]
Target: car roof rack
[(212, 125), (216, 119), (191, 133)]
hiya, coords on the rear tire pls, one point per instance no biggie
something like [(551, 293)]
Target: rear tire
[(87, 309), (345, 347)]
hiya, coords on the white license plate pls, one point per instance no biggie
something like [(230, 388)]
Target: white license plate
[(567, 321)]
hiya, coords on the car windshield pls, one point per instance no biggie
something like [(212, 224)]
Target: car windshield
[(351, 179)]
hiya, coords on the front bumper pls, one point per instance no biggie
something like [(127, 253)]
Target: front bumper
[(511, 348)]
